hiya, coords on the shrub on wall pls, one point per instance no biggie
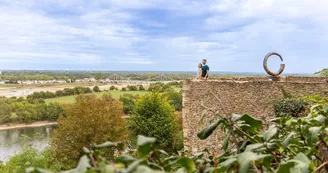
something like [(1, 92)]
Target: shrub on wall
[(290, 106)]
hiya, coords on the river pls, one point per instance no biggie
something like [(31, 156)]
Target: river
[(12, 141)]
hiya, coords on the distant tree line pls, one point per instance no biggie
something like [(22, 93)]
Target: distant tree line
[(74, 75), (60, 93), (20, 110)]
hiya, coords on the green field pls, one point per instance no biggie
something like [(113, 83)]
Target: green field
[(116, 94)]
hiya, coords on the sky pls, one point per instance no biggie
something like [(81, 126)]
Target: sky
[(163, 35)]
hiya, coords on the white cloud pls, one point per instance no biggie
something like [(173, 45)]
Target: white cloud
[(234, 35)]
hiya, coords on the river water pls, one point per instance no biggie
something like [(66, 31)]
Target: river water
[(12, 141)]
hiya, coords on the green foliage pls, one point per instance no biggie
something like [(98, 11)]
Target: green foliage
[(176, 84), (132, 88), (98, 76), (123, 89), (96, 89), (141, 88), (60, 93), (155, 86), (290, 145), (86, 122), (30, 157), (153, 116), (290, 106), (112, 87), (316, 99), (323, 72), (27, 110), (175, 98), (128, 101)]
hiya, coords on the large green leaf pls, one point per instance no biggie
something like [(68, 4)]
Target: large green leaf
[(226, 142), (207, 131), (285, 167), (271, 132), (300, 164), (245, 159), (145, 169), (133, 166), (201, 121), (228, 163), (253, 147), (303, 164), (82, 166), (106, 145), (145, 145), (187, 163), (320, 118), (313, 135), (286, 141), (125, 159), (253, 124)]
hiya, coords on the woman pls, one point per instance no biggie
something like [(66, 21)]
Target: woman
[(199, 75)]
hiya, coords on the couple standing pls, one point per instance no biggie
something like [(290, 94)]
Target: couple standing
[(203, 70)]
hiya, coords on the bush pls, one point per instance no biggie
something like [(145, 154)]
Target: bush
[(88, 121), (141, 88), (96, 89), (175, 98), (155, 86), (323, 72), (153, 116), (123, 89), (30, 157), (290, 106), (132, 88), (128, 103), (112, 87)]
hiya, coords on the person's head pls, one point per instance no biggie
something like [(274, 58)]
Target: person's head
[(200, 65), (204, 61)]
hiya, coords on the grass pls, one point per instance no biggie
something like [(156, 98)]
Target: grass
[(116, 94)]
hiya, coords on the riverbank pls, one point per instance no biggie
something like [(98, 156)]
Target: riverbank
[(20, 126)]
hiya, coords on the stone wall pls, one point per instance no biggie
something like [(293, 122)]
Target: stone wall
[(253, 96)]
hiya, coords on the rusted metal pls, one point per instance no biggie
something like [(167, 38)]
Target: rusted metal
[(265, 64)]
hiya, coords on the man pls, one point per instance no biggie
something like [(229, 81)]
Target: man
[(205, 70)]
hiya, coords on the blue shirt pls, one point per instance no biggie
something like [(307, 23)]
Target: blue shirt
[(204, 70)]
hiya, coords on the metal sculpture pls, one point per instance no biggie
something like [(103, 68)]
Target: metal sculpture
[(265, 64)]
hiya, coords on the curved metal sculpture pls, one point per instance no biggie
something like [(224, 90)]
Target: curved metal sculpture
[(265, 64)]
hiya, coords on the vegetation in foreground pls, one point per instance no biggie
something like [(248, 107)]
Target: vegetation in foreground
[(30, 157), (291, 145), (153, 116), (295, 142), (89, 120)]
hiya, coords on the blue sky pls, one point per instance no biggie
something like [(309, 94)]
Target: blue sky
[(163, 35)]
